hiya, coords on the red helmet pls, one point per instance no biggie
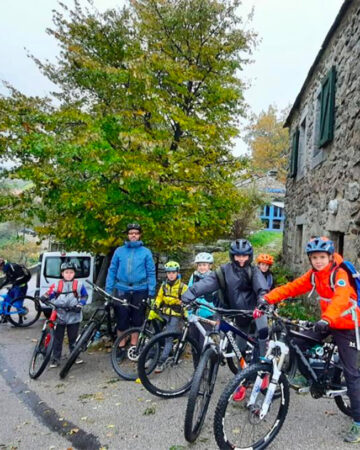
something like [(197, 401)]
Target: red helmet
[(266, 259)]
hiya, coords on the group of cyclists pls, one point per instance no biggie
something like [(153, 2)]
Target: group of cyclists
[(236, 285)]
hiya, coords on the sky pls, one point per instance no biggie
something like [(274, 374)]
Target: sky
[(291, 33)]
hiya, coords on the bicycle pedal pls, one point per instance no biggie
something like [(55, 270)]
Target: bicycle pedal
[(302, 390)]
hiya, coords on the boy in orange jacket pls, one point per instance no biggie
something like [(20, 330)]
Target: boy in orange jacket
[(334, 301)]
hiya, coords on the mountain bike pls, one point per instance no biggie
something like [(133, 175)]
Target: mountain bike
[(21, 312), (255, 421), (177, 377), (45, 344), (87, 335), (125, 360), (215, 354)]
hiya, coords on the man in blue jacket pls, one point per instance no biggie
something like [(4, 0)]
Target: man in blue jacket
[(131, 276)]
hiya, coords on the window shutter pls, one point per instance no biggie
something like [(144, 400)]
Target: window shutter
[(294, 153), (327, 111)]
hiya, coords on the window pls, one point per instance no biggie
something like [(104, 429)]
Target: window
[(301, 149), (277, 224), (53, 263), (265, 223), (299, 243), (267, 211), (294, 153), (327, 109)]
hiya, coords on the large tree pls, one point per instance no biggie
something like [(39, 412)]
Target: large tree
[(146, 107), (269, 141)]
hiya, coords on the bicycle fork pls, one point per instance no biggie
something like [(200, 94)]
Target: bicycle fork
[(274, 379)]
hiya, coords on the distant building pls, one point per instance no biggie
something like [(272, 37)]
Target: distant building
[(272, 215), (323, 183)]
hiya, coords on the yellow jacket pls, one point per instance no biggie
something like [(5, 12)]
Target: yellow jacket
[(170, 295)]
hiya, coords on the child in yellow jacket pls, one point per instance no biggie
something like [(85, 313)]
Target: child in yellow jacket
[(169, 301)]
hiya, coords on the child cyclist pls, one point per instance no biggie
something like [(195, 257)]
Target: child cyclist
[(203, 262), (68, 294), (335, 302), (168, 300), (244, 288), (264, 262)]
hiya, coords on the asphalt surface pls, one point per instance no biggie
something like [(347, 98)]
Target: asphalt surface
[(93, 409)]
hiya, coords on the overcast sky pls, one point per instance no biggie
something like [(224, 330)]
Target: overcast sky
[(292, 32)]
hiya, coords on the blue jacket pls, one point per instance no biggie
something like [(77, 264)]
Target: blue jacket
[(207, 299), (132, 269)]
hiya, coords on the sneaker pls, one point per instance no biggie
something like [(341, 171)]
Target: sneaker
[(54, 363), (353, 435), (149, 362), (240, 394), (160, 368), (79, 361)]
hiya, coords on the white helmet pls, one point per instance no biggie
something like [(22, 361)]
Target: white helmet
[(204, 258)]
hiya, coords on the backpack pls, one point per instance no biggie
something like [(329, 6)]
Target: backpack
[(353, 274), (26, 272), (222, 283), (60, 288)]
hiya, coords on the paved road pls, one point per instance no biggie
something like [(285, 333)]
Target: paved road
[(93, 409)]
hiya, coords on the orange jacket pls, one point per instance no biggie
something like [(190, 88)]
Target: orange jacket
[(332, 302)]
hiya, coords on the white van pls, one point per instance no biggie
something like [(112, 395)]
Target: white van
[(50, 273)]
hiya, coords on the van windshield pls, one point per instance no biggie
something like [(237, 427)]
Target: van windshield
[(53, 264)]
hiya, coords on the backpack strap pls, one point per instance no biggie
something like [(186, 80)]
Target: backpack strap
[(181, 287), (60, 288), (222, 283)]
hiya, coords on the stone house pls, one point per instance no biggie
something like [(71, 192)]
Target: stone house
[(323, 183)]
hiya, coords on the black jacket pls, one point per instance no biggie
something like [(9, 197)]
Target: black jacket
[(14, 274), (242, 291)]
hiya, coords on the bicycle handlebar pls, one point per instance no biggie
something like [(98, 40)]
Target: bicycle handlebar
[(65, 308), (223, 311), (109, 296)]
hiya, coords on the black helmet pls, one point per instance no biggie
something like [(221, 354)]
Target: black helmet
[(67, 265), (241, 247), (133, 226)]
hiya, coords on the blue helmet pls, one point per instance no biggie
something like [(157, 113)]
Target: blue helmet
[(320, 244), (241, 247)]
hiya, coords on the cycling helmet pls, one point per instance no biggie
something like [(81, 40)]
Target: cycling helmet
[(320, 244), (204, 258), (67, 265), (133, 226), (241, 247), (266, 259), (172, 266)]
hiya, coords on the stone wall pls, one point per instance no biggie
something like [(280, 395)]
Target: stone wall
[(323, 199)]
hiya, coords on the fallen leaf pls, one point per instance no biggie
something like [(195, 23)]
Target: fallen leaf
[(110, 426), (84, 418), (74, 430), (150, 410)]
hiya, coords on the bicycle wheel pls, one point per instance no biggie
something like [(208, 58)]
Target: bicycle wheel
[(125, 360), (81, 345), (42, 353), (342, 401), (23, 311), (176, 377), (237, 424), (200, 394)]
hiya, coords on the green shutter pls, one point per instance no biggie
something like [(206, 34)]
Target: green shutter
[(327, 110), (294, 153)]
